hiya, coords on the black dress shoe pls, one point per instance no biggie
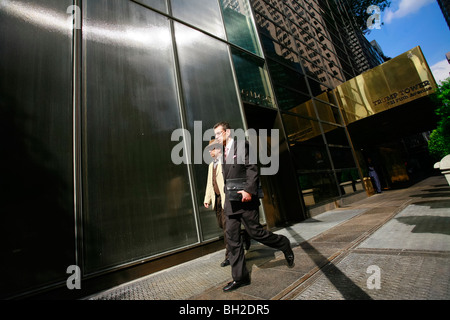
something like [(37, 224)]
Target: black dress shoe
[(289, 256), (233, 285), (225, 263)]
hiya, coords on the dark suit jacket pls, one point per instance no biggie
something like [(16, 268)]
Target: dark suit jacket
[(237, 166)]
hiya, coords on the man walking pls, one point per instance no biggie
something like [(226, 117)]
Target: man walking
[(237, 165), (215, 192)]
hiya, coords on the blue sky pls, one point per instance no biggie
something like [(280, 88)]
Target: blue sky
[(411, 23)]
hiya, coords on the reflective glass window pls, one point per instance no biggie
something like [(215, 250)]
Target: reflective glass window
[(253, 79), (327, 112), (130, 110), (348, 174), (319, 85), (36, 143), (313, 69), (317, 187), (239, 25), (342, 157), (202, 14), (305, 109), (160, 5), (277, 32), (290, 100), (306, 143), (335, 135), (287, 77), (210, 96), (279, 53), (272, 11), (349, 180)]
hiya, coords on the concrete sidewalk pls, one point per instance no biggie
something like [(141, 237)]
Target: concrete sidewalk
[(394, 245)]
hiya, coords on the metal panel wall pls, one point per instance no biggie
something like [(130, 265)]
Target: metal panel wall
[(210, 96), (36, 185), (201, 14), (132, 201), (137, 201)]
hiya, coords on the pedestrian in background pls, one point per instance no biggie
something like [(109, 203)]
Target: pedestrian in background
[(215, 192), (373, 174)]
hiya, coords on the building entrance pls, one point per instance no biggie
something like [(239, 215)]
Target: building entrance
[(281, 200)]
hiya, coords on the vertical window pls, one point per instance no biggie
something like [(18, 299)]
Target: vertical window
[(239, 25), (210, 96), (253, 79), (202, 14), (137, 201), (160, 5)]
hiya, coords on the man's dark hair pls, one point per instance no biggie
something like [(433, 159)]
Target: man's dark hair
[(225, 125)]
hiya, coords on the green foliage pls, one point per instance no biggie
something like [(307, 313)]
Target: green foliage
[(437, 146), (442, 97), (439, 143)]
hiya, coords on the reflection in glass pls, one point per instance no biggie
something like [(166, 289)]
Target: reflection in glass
[(335, 135), (342, 157), (306, 143), (239, 25), (317, 187), (137, 201), (305, 109), (36, 157), (210, 96), (160, 5), (201, 14), (300, 129), (293, 101), (253, 79), (353, 100), (311, 155), (349, 181), (287, 77), (318, 88), (327, 112), (279, 53)]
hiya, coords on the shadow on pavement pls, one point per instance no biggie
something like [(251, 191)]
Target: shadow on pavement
[(348, 289)]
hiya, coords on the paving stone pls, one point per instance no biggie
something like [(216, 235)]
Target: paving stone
[(412, 277), (417, 227), (405, 234)]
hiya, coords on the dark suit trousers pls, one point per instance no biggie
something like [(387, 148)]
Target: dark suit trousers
[(222, 221), (250, 220)]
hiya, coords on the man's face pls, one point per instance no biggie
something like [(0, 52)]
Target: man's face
[(214, 153), (220, 134)]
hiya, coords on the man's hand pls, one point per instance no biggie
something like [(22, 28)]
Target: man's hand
[(246, 197), (206, 205)]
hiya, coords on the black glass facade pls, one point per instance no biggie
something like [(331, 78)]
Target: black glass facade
[(88, 112)]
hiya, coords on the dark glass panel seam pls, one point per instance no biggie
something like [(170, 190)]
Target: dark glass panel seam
[(182, 113)]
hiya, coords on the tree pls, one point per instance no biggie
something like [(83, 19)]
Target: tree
[(359, 10), (439, 143)]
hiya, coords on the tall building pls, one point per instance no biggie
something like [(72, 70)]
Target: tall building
[(445, 8), (311, 47), (105, 107), (365, 55)]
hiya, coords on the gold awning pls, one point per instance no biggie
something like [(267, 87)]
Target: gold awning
[(398, 81)]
